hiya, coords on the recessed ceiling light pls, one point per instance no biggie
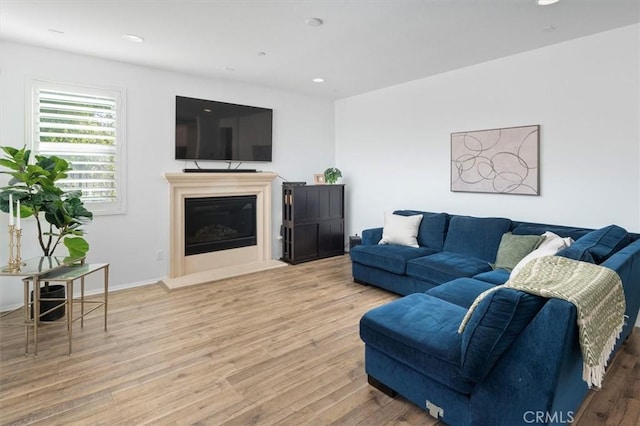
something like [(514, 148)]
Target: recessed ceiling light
[(318, 80), (261, 53), (207, 110), (314, 22), (132, 38), (547, 2)]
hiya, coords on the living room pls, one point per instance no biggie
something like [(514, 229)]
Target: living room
[(392, 143)]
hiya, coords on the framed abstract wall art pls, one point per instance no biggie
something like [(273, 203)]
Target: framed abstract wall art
[(497, 161)]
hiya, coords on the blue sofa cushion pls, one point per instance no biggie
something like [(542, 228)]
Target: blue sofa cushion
[(496, 322), (497, 277), (597, 246), (525, 228), (445, 266), (421, 331), (432, 228), (387, 257), (461, 292), (477, 237)]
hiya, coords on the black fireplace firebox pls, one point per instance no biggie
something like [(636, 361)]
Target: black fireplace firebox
[(219, 223)]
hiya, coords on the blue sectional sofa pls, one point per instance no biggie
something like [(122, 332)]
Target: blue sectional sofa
[(518, 361)]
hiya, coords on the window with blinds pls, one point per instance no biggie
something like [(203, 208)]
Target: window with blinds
[(83, 125)]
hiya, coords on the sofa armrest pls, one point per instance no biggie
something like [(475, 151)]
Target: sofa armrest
[(626, 263), (495, 324), (372, 236), (540, 372)]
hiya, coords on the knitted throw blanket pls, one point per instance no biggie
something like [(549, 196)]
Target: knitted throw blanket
[(596, 292)]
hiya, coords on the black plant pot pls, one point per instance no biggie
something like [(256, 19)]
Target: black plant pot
[(51, 292)]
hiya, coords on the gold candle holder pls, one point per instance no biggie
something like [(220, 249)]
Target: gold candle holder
[(15, 262), (18, 259), (11, 246)]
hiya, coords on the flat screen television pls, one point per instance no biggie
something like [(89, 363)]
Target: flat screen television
[(211, 130)]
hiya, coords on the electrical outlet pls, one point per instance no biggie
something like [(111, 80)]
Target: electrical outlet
[(159, 254)]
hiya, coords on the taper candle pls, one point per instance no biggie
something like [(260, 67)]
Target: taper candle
[(18, 215), (10, 209)]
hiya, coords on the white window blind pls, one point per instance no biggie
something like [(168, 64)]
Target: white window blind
[(84, 125)]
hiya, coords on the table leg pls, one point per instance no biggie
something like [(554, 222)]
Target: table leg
[(82, 302), (70, 311), (36, 313), (27, 316), (106, 294)]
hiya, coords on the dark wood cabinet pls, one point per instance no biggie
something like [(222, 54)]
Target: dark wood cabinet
[(312, 222)]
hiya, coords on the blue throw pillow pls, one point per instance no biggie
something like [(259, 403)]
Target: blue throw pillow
[(495, 323), (597, 246)]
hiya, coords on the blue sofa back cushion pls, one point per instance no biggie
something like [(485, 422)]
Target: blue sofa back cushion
[(597, 246), (496, 322), (526, 228), (432, 228), (477, 237)]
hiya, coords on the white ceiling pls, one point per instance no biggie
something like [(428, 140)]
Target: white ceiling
[(362, 46)]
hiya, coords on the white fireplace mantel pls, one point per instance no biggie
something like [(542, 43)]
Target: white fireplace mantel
[(208, 267)]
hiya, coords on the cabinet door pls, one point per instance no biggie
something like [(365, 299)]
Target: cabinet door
[(305, 204), (335, 203), (331, 237), (305, 242)]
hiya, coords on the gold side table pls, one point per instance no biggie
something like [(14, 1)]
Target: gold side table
[(34, 268), (54, 269), (67, 275)]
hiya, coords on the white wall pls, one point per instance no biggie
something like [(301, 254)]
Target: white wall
[(303, 145), (393, 145)]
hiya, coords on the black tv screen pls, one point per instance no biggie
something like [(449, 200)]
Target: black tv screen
[(211, 130)]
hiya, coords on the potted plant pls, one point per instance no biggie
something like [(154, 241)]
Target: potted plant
[(35, 185), (332, 174)]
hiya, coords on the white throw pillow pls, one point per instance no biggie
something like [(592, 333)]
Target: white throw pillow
[(551, 245), (401, 230)]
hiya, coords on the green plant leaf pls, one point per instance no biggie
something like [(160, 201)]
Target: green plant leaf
[(77, 246), (9, 164), (10, 150)]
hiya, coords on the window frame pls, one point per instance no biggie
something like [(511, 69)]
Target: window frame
[(118, 206)]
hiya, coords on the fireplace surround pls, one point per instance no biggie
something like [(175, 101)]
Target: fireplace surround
[(185, 270)]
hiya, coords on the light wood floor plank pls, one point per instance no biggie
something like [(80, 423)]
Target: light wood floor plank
[(279, 347)]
